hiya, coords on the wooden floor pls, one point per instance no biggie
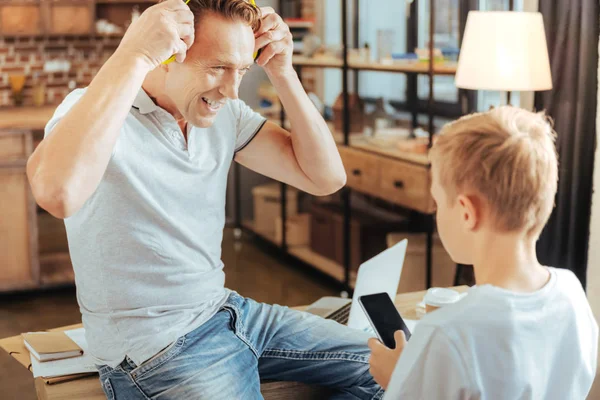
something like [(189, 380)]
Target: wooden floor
[(250, 270)]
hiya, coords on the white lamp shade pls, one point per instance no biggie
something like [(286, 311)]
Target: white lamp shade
[(504, 51)]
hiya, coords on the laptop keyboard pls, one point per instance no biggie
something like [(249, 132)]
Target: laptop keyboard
[(342, 315)]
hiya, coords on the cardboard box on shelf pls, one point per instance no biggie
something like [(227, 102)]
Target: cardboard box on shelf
[(297, 230), (367, 236), (413, 272), (267, 206), (356, 108)]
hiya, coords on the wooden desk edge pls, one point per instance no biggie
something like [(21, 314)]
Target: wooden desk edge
[(406, 303)]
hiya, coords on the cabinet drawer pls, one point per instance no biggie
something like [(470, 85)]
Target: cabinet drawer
[(70, 17), (406, 184), (20, 19), (13, 148), (362, 170)]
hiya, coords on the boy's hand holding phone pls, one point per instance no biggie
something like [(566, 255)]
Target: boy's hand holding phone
[(383, 359)]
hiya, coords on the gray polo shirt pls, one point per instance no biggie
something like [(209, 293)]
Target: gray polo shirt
[(146, 246)]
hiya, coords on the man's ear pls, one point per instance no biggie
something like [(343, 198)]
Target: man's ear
[(470, 211)]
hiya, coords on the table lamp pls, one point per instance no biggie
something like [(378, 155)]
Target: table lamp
[(505, 51)]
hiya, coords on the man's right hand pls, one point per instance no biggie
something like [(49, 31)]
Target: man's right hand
[(162, 30)]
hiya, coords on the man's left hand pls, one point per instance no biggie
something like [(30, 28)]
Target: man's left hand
[(383, 359), (275, 40)]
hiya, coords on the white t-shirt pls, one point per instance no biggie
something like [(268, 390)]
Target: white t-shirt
[(146, 245), (496, 344)]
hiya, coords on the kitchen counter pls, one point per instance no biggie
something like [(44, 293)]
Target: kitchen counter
[(34, 118)]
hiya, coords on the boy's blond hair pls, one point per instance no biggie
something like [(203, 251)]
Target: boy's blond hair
[(506, 155)]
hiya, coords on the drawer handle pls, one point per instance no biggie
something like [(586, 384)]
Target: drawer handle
[(356, 172), (399, 184)]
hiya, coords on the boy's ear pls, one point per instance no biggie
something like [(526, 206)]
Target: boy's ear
[(470, 211)]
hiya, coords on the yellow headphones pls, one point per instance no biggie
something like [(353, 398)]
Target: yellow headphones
[(172, 58)]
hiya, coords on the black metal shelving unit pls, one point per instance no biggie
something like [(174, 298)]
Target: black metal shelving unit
[(427, 220)]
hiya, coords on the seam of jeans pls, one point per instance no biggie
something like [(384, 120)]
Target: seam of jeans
[(104, 370), (239, 327), (314, 355), (107, 386), (138, 387), (379, 394), (174, 352), (108, 371)]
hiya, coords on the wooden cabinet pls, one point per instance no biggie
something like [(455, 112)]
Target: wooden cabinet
[(362, 169), (20, 18), (69, 17), (406, 184), (13, 148), (47, 17), (18, 230), (33, 245), (397, 181)]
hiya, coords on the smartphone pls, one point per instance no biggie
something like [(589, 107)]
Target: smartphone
[(384, 317)]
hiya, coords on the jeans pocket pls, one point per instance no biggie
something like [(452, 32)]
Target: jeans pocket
[(159, 359), (107, 388)]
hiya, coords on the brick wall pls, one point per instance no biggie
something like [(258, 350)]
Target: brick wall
[(27, 56)]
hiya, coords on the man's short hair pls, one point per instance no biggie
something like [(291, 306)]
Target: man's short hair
[(234, 10), (507, 155)]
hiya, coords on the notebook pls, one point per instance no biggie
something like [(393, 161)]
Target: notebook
[(47, 346), (69, 366)]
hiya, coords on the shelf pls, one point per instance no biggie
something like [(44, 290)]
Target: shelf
[(321, 263), (444, 68), (440, 68), (305, 254), (363, 144), (357, 140), (318, 62), (26, 117), (298, 24), (56, 269)]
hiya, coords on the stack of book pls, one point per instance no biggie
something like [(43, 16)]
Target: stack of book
[(59, 356)]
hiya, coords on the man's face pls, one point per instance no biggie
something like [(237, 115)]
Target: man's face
[(455, 234), (213, 69)]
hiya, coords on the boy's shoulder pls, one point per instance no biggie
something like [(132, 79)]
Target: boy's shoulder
[(487, 306)]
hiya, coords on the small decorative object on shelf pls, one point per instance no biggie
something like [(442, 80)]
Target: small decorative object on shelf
[(39, 91), (356, 107), (103, 27), (310, 44), (423, 55), (17, 82), (380, 118), (366, 53), (385, 45)]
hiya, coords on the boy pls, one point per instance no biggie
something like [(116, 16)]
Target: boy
[(525, 331)]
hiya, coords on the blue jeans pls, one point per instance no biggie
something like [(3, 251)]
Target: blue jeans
[(243, 343)]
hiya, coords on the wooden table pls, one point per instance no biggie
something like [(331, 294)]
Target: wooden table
[(33, 118), (89, 387)]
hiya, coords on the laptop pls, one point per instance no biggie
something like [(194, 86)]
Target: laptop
[(379, 274)]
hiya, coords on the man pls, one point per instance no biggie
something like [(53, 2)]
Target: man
[(526, 331), (137, 165)]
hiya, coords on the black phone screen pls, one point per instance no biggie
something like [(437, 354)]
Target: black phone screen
[(384, 317)]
